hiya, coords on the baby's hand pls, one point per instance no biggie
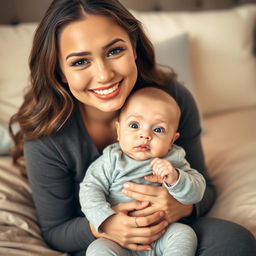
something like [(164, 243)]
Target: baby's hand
[(164, 169)]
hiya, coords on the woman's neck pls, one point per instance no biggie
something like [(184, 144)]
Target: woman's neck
[(100, 126), (93, 115)]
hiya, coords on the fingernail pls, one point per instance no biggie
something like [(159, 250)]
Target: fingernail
[(124, 191), (126, 185)]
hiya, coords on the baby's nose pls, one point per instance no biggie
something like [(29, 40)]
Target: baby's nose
[(145, 136)]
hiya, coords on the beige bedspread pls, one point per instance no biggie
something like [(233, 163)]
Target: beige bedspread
[(19, 230)]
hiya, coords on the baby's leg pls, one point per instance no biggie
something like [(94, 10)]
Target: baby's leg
[(105, 247), (179, 239)]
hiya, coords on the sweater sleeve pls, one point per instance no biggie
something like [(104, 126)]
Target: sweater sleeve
[(53, 192)]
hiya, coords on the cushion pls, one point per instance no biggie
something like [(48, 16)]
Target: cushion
[(5, 139), (230, 146), (221, 45), (15, 45), (174, 52)]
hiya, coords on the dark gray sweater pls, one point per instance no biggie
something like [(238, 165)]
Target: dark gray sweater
[(57, 164)]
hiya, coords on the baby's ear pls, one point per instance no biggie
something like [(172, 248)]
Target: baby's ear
[(175, 137), (117, 129)]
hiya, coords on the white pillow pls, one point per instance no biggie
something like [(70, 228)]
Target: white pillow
[(174, 52), (171, 43), (223, 66), (230, 146), (15, 46), (5, 140)]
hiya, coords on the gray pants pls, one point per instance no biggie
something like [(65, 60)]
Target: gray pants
[(178, 240)]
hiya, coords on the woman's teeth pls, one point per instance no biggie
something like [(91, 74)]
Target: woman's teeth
[(106, 91)]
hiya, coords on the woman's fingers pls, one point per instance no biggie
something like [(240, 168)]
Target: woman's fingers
[(143, 212), (139, 247), (135, 234), (146, 221), (153, 178), (130, 206), (141, 189)]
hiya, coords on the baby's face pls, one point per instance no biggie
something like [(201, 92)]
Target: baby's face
[(146, 129)]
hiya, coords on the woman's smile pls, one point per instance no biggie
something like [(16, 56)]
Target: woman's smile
[(98, 62), (107, 92)]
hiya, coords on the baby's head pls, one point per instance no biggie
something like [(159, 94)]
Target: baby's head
[(148, 122)]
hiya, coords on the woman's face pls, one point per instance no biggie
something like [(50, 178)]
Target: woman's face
[(98, 62)]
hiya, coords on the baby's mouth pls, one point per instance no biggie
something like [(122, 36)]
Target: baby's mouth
[(143, 147)]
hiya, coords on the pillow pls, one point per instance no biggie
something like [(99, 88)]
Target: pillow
[(5, 140), (221, 45), (174, 52), (15, 45), (230, 146), (172, 49)]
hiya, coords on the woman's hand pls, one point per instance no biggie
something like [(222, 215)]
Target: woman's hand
[(134, 233), (159, 200)]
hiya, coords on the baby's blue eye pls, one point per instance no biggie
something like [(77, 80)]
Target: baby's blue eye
[(134, 125), (159, 130)]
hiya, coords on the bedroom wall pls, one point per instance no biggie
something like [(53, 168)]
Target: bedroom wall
[(15, 11)]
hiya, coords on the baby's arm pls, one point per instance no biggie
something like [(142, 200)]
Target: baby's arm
[(164, 170), (189, 184), (93, 192)]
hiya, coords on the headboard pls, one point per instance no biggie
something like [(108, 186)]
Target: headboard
[(17, 11)]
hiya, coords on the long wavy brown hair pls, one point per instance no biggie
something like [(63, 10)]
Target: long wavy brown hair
[(48, 102)]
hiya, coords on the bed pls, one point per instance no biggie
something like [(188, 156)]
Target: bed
[(210, 44)]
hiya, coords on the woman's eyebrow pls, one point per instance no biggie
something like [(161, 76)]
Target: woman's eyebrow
[(77, 54), (112, 43)]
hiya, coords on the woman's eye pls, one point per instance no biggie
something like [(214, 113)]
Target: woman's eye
[(80, 62), (134, 125), (159, 130), (115, 51)]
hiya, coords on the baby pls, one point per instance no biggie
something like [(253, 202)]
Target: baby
[(146, 132)]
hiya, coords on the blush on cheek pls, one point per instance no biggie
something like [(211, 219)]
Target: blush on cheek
[(77, 83)]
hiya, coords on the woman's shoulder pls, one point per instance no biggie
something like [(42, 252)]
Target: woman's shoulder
[(180, 93), (190, 119), (70, 144)]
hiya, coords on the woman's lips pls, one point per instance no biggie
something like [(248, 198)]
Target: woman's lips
[(106, 93)]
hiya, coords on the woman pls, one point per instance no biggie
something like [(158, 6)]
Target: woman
[(87, 56)]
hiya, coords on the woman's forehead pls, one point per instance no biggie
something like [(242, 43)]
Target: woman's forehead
[(91, 32)]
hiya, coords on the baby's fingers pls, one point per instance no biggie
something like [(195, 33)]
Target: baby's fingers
[(153, 162)]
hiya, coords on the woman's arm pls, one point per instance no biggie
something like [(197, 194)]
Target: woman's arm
[(53, 191)]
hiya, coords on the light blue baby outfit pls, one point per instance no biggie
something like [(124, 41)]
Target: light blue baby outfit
[(101, 188)]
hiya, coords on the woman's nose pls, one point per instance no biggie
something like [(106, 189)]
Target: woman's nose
[(104, 73)]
